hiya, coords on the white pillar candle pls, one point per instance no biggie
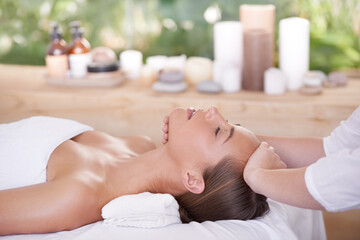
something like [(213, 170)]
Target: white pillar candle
[(274, 81), (131, 63), (231, 78), (217, 71), (198, 69), (294, 50), (157, 63), (228, 42)]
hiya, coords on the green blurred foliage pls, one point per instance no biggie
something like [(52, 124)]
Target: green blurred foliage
[(171, 27)]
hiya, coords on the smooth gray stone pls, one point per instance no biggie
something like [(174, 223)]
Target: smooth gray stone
[(337, 78), (169, 87), (171, 76), (208, 87)]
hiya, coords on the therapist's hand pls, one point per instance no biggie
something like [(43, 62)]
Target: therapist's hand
[(264, 158), (165, 130)]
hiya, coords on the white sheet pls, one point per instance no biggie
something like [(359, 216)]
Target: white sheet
[(282, 222)]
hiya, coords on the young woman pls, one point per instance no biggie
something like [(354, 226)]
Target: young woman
[(57, 174)]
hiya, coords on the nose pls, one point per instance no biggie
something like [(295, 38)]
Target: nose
[(212, 113)]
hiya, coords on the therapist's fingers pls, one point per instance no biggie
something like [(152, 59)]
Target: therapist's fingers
[(165, 128), (165, 138), (265, 157), (166, 119)]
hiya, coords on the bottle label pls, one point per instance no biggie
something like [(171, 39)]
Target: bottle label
[(57, 66), (78, 64)]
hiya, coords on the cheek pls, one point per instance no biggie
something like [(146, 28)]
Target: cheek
[(189, 147)]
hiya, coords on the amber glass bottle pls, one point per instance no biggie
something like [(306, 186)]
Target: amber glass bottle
[(56, 56), (79, 52)]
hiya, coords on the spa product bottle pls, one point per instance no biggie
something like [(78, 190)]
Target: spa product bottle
[(79, 52), (56, 55)]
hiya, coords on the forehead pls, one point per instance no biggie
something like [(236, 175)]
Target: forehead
[(242, 144)]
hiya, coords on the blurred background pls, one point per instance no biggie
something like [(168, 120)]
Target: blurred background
[(171, 27)]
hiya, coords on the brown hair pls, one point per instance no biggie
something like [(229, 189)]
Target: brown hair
[(226, 196)]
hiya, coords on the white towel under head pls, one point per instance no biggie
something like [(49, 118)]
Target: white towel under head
[(144, 210)]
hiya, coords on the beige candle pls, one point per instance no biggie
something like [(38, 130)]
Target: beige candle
[(258, 23), (257, 17), (258, 58)]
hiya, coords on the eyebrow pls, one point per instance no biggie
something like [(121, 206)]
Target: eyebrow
[(230, 135)]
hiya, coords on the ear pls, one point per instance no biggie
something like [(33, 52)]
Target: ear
[(194, 182)]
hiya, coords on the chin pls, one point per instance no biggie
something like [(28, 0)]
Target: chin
[(177, 115)]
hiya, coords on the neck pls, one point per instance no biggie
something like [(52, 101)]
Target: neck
[(153, 171)]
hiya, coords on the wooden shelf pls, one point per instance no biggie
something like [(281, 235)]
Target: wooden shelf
[(132, 109)]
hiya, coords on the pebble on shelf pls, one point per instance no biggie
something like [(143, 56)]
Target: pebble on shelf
[(336, 79), (170, 82), (208, 87)]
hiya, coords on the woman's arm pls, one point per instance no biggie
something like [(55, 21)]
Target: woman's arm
[(266, 175), (296, 152), (48, 207)]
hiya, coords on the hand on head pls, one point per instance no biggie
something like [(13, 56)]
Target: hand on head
[(165, 129), (264, 157)]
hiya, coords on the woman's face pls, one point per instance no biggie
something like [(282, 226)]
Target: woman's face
[(203, 138)]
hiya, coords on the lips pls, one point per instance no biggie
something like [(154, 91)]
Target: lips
[(190, 112)]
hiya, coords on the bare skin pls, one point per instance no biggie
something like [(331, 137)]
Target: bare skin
[(89, 170), (79, 183), (265, 171)]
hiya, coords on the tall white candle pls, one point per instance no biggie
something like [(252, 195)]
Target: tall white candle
[(294, 50), (228, 42), (228, 76), (131, 63), (218, 67), (231, 81)]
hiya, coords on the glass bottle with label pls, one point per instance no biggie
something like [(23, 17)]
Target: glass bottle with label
[(79, 52), (56, 55)]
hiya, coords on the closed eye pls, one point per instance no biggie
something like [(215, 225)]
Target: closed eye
[(217, 131)]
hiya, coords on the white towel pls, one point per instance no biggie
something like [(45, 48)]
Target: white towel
[(143, 210), (26, 146)]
